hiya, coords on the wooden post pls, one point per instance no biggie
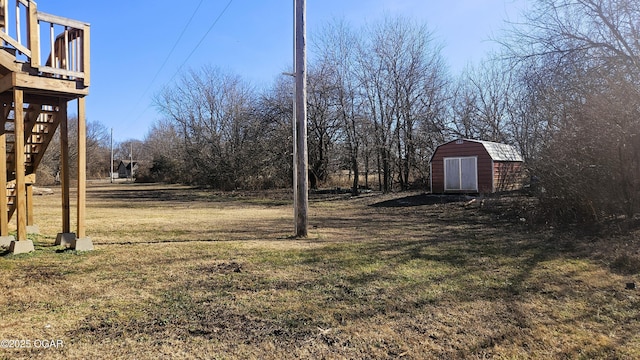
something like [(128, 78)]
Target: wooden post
[(34, 34), (4, 207), (30, 217), (86, 58), (20, 158), (66, 238), (302, 196), (5, 239), (82, 167), (294, 164), (18, 26), (82, 242), (64, 166), (3, 14)]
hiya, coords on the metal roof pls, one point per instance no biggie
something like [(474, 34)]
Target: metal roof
[(497, 151), (500, 152)]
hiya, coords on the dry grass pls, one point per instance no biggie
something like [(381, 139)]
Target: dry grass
[(182, 273)]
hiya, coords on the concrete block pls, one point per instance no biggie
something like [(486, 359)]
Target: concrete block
[(5, 241), (84, 244), (65, 239), (21, 247)]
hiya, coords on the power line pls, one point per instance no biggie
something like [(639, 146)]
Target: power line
[(224, 10), (166, 59), (184, 29), (201, 39)]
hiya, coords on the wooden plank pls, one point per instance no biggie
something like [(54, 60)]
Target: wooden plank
[(18, 26), (62, 72), (30, 217), (66, 50), (5, 14), (11, 41), (52, 50), (64, 167), (77, 61), (86, 55), (52, 85), (59, 20), (21, 205), (34, 35), (8, 61), (55, 87), (82, 167), (30, 98), (4, 206), (8, 82)]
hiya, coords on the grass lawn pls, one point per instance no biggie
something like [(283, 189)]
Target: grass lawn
[(192, 274)]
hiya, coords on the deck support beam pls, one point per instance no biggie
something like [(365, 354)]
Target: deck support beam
[(82, 243), (5, 239), (64, 166), (21, 244), (66, 238)]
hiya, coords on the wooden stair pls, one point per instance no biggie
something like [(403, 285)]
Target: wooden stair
[(34, 96), (40, 127)]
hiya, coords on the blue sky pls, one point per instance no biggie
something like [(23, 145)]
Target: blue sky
[(130, 41)]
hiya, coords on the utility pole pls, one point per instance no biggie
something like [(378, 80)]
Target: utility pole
[(294, 162), (111, 173), (131, 161), (301, 192)]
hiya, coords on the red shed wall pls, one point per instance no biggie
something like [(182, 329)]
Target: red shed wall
[(467, 148), (508, 175)]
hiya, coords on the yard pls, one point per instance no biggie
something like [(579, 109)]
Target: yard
[(193, 274)]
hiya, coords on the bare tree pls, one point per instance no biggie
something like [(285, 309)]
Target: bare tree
[(336, 47), (274, 150), (98, 150), (213, 114), (403, 79), (483, 102), (579, 66), (164, 150), (322, 119)]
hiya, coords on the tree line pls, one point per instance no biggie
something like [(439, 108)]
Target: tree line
[(562, 88), (375, 97)]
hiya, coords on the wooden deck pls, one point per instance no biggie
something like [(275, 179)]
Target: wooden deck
[(34, 96)]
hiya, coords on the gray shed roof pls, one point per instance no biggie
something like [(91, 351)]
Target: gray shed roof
[(500, 152), (497, 151)]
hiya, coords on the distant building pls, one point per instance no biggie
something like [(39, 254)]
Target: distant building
[(474, 166), (123, 169)]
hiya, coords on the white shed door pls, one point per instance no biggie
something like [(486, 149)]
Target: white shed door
[(452, 174), (461, 173)]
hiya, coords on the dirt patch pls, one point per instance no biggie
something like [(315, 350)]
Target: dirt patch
[(221, 268), (423, 199)]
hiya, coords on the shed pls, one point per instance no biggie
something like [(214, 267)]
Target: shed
[(124, 168), (474, 166)]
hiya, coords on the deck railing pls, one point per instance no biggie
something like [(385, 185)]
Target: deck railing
[(28, 33)]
